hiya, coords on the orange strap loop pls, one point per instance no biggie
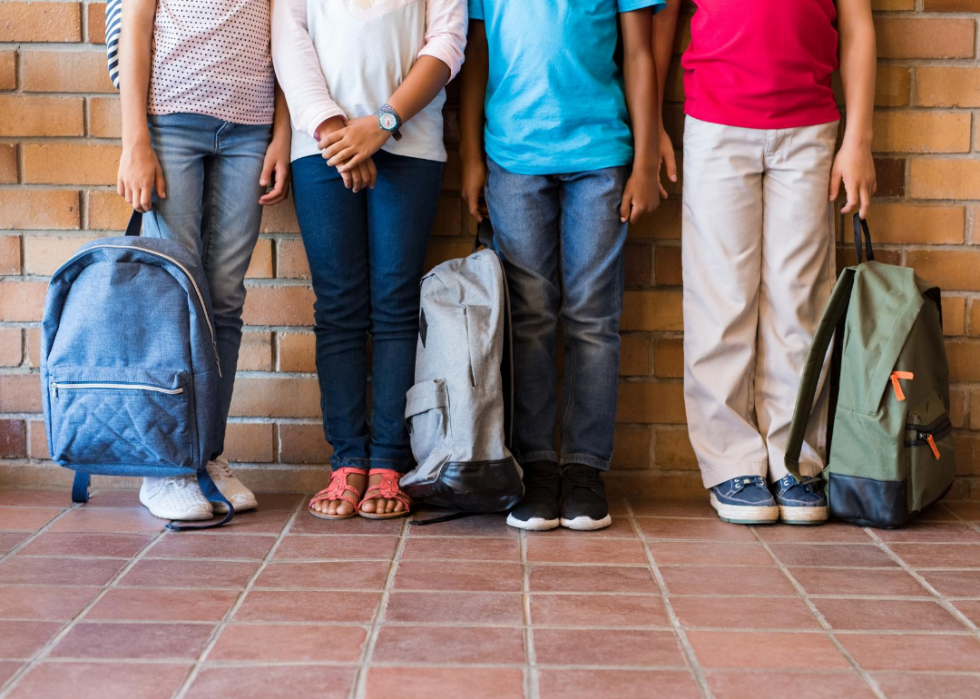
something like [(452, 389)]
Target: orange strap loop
[(900, 376)]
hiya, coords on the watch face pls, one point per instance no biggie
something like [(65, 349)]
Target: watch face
[(388, 122)]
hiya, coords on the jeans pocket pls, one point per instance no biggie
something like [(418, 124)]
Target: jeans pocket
[(427, 412)]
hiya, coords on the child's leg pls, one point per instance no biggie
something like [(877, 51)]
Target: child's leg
[(797, 279), (722, 259), (592, 244), (401, 211)]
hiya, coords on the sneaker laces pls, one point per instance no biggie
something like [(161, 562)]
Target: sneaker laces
[(540, 478), (221, 469), (176, 482), (584, 478), (745, 481), (808, 484)]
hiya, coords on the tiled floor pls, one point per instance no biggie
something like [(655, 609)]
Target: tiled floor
[(96, 601)]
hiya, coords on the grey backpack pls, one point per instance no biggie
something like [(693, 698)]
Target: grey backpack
[(459, 410)]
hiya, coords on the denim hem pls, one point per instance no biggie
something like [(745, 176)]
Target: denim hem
[(585, 460), (349, 462), (808, 469), (533, 456), (718, 474), (401, 467)]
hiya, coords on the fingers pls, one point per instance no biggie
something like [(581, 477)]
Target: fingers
[(161, 184), (864, 195), (835, 180), (348, 180), (146, 198), (660, 186), (267, 168), (348, 158), (372, 172), (356, 182), (638, 211), (625, 206), (670, 160), (472, 199)]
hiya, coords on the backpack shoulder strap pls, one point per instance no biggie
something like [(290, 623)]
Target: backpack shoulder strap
[(212, 494), (836, 309), (79, 487)]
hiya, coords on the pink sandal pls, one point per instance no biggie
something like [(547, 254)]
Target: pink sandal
[(337, 489), (388, 489)]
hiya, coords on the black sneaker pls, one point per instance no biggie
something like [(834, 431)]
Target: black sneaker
[(583, 499), (538, 509)]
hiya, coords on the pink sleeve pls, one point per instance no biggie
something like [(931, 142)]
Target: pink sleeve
[(445, 33), (298, 68)]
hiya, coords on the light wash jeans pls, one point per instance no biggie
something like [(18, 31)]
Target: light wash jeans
[(211, 169), (562, 243)]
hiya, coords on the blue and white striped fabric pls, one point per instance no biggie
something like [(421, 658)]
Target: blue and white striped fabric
[(113, 27)]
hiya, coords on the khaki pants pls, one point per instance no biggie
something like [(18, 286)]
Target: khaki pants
[(758, 261)]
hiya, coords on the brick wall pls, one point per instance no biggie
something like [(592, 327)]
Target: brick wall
[(59, 127)]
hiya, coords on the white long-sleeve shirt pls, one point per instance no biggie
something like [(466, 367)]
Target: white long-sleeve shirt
[(346, 58)]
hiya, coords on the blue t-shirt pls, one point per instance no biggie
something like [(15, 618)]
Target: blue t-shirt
[(555, 101)]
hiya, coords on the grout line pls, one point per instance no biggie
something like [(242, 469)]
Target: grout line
[(821, 619), (686, 648), (532, 678), (243, 592)]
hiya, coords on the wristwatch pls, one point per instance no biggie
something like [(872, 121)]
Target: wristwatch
[(389, 120)]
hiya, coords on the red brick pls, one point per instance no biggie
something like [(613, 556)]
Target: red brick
[(303, 444), (20, 393), (974, 326), (8, 70), (280, 218), (38, 440), (975, 409), (668, 265), (658, 403), (31, 115), (631, 448), (652, 310), (291, 260), (8, 163), (915, 223), (70, 163), (11, 347), (441, 250), (951, 5), (276, 397), (297, 352), (65, 71), (942, 86), (13, 439), (22, 301), (9, 254), (107, 211), (639, 264), (948, 269), (279, 305), (674, 451), (96, 23), (249, 442), (256, 352), (964, 360), (891, 177), (634, 355), (664, 223), (924, 38), (40, 21), (34, 347), (104, 117), (260, 266), (39, 209), (44, 254), (954, 315), (967, 454), (916, 131), (668, 358), (892, 86), (945, 179)]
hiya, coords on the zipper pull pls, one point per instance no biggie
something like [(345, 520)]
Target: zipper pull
[(932, 445), (54, 390)]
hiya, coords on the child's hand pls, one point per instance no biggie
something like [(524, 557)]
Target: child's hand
[(855, 166), (667, 160), (275, 169), (640, 195), (474, 178), (139, 173), (364, 175), (352, 145)]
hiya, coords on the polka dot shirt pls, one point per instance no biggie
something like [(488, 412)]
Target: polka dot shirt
[(213, 57)]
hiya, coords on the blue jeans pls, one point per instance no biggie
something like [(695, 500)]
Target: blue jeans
[(561, 243), (366, 254), (211, 169)]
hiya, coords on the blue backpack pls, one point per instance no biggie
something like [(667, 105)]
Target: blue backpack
[(129, 364)]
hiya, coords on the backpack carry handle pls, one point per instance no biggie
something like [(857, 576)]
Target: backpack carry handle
[(861, 226), (135, 224)]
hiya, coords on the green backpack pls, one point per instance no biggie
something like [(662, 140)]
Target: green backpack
[(889, 438)]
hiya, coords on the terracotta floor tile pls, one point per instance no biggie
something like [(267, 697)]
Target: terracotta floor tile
[(473, 608), (619, 529), (9, 540), (692, 529), (939, 512), (481, 525), (224, 545), (774, 650), (584, 550), (28, 570), (789, 613), (464, 577), (304, 643), (833, 555), (688, 553), (109, 641), (621, 684), (56, 497), (94, 519), (970, 609), (954, 583), (480, 548), (355, 575), (280, 501), (598, 610), (95, 544), (101, 681), (673, 508), (21, 640), (931, 532), (265, 682), (336, 548), (449, 644), (779, 685), (308, 605), (932, 556), (7, 670), (148, 604), (581, 647), (832, 532), (905, 685), (886, 615), (189, 573), (39, 603), (835, 581), (115, 498), (727, 580), (445, 683), (914, 652), (559, 578), (259, 522), (967, 510), (26, 518), (308, 524)]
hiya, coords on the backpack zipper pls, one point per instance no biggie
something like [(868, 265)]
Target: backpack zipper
[(928, 434), (113, 387), (190, 278)]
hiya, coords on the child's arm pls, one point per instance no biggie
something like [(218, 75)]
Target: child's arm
[(854, 164), (275, 169), (139, 169), (640, 76), (472, 94), (664, 29)]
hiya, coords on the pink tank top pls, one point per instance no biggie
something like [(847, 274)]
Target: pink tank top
[(762, 64)]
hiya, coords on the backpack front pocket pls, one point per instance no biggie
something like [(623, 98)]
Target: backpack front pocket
[(122, 416), (929, 442), (427, 412)]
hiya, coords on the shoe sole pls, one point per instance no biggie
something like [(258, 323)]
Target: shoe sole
[(586, 524), (535, 524), (220, 509), (177, 516), (746, 514), (803, 515)]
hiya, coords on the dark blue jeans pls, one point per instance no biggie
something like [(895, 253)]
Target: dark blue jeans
[(366, 254)]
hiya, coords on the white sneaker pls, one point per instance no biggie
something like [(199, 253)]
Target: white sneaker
[(175, 497), (240, 497)]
